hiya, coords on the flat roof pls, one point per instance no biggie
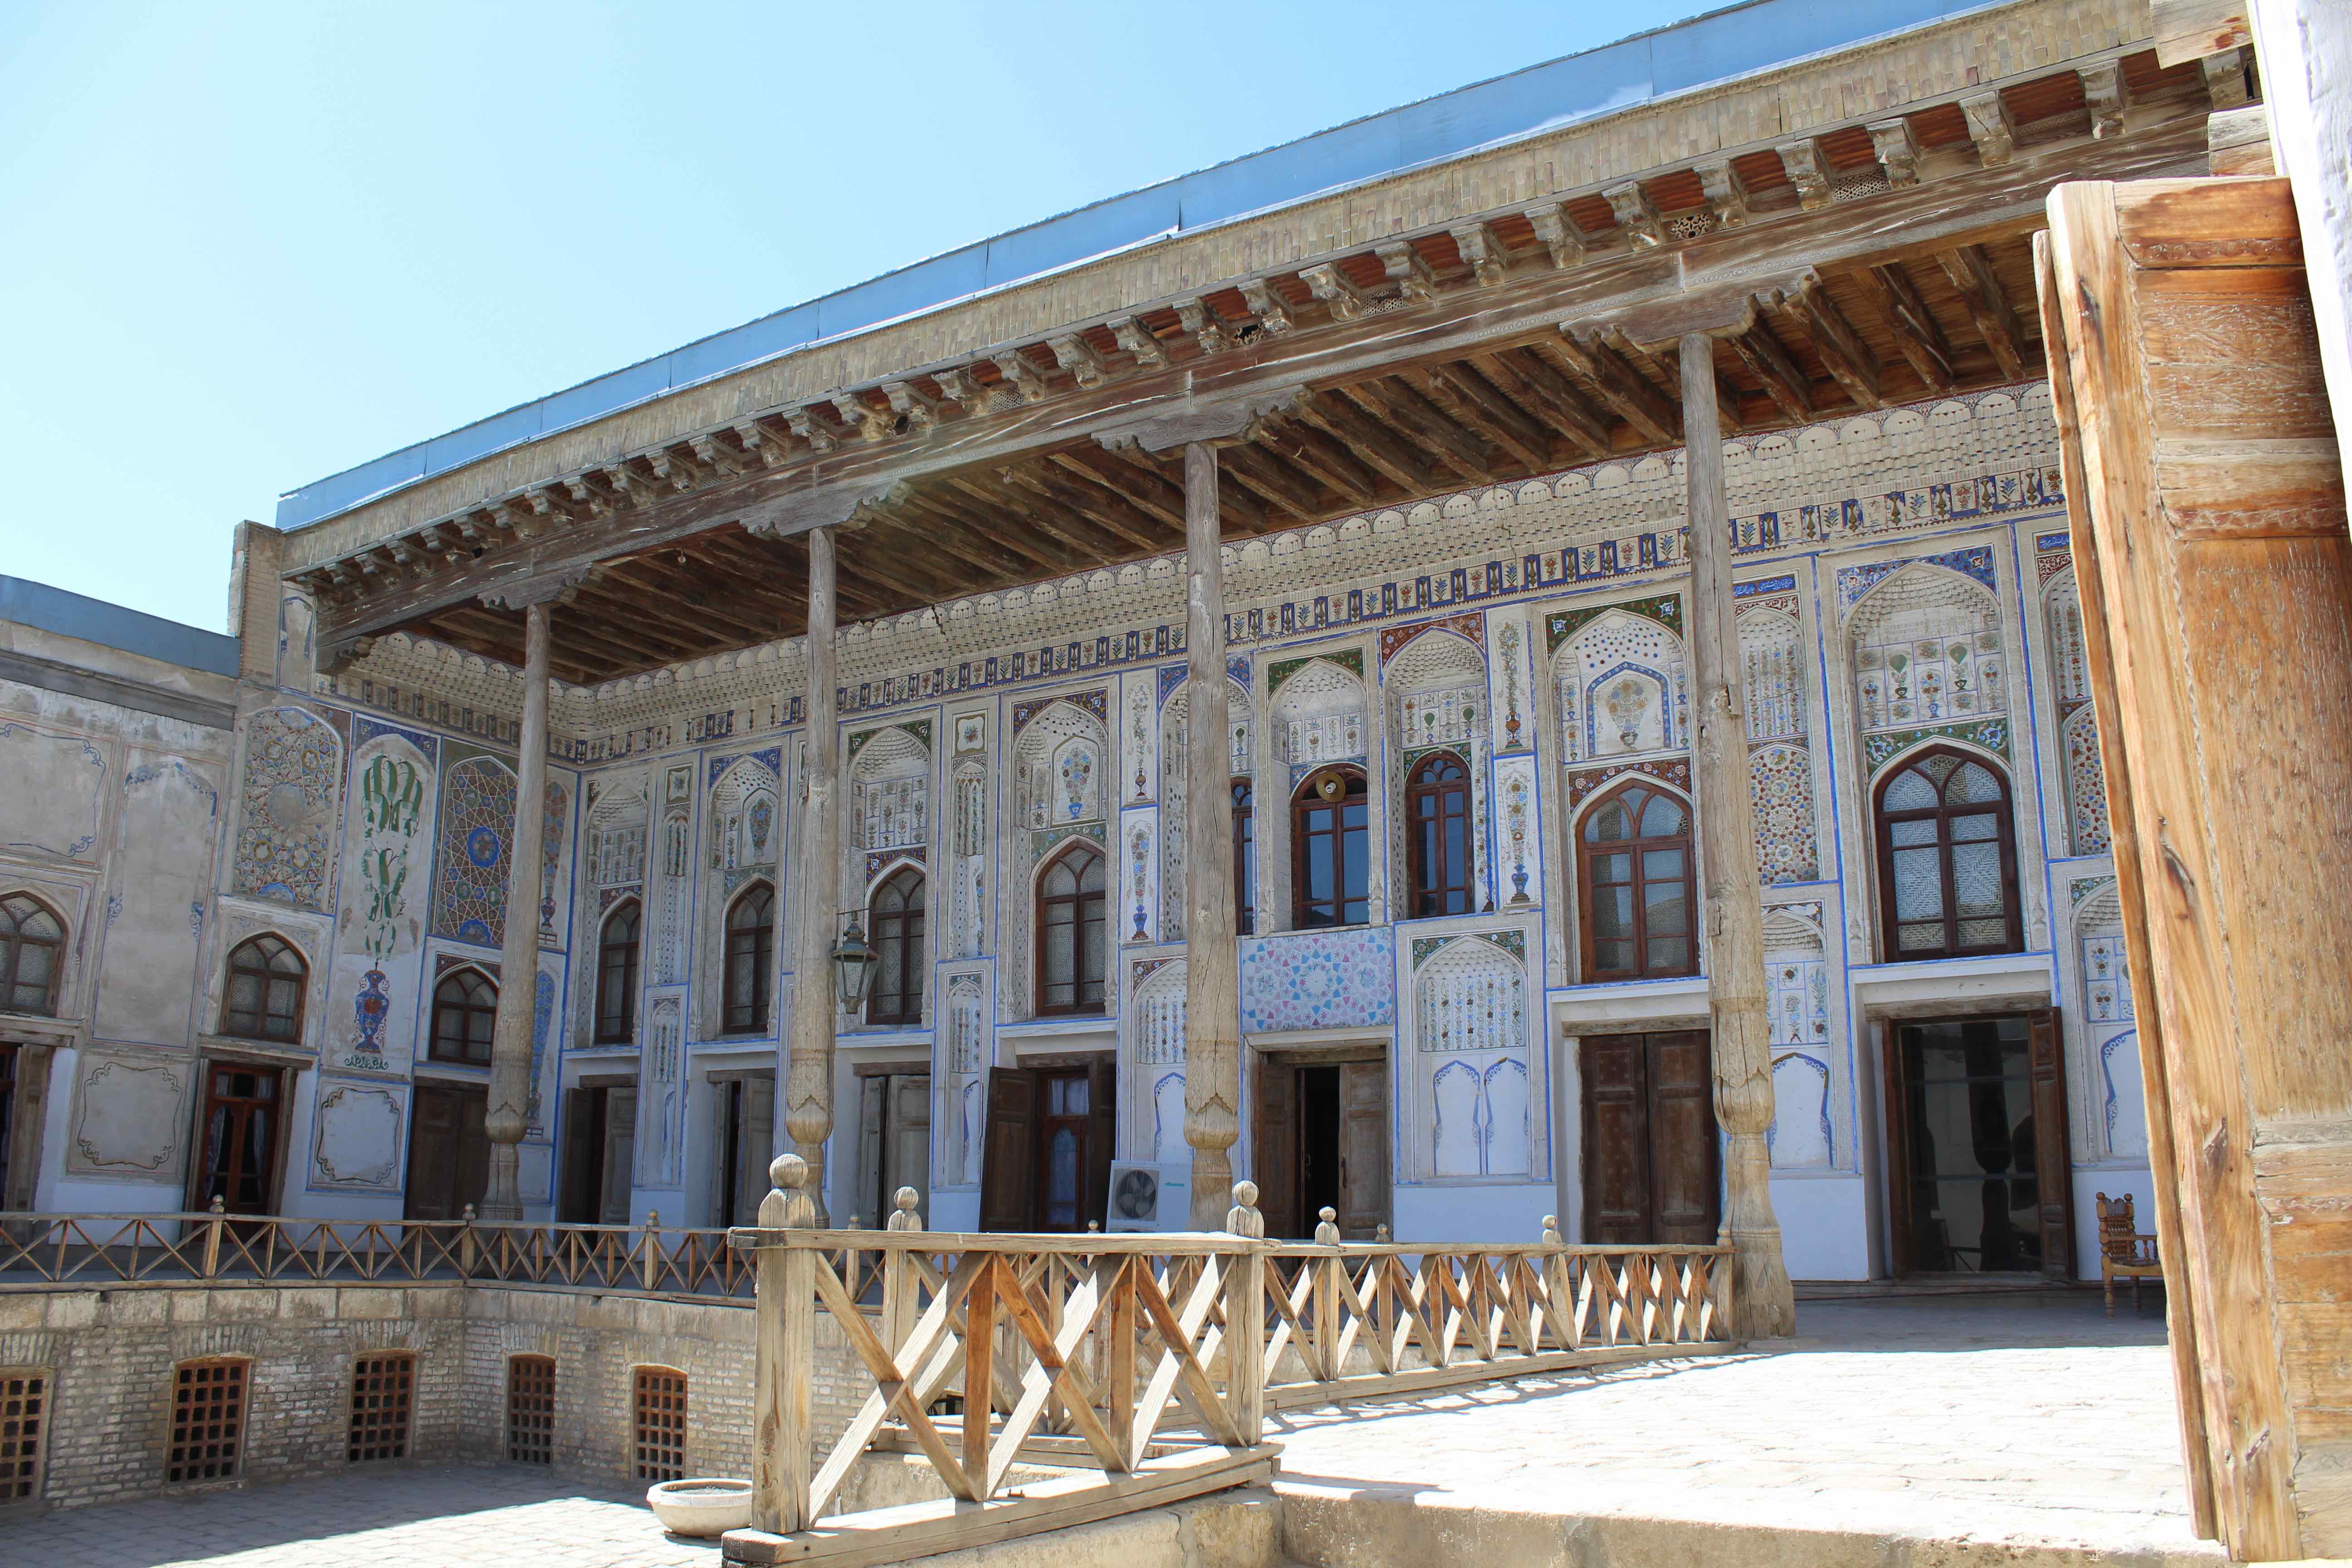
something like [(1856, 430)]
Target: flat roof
[(112, 626), (1739, 40)]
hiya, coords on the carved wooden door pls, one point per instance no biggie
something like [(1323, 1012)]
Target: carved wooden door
[(1649, 1140), (1363, 1148), (1274, 1145), (448, 1151), (236, 1149), (1008, 1156), (620, 1155)]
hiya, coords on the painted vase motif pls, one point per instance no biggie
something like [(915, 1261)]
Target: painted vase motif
[(369, 1011)]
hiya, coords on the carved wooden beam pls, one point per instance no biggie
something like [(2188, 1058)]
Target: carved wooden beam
[(1725, 193), (1558, 234), (1391, 403), (1205, 326), (1313, 452), (1482, 253), (1789, 389), (1367, 442), (1079, 357), (1635, 399), (2107, 95), (916, 412), (1898, 151), (1990, 127), (1408, 273), (1140, 486), (1972, 273), (1536, 381), (1636, 214), (1136, 339), (1020, 372), (1808, 168), (1327, 283), (1267, 303), (1917, 337), (1266, 478), (1471, 401), (1108, 512)]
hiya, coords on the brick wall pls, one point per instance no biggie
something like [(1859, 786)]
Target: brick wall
[(110, 1357)]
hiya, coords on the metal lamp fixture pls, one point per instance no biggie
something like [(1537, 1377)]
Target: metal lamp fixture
[(853, 965)]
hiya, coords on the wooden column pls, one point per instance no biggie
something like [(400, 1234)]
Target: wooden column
[(1731, 894), (2211, 520), (816, 889), (783, 1356), (1213, 980), (510, 1033)]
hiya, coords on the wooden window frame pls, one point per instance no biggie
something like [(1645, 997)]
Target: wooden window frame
[(1243, 791), (618, 1028), (738, 1014), (257, 1026), (908, 927), (1593, 974), (658, 1428), (13, 942), (1883, 849), (24, 1408), (1423, 887), (1077, 1006), (274, 1106), (1308, 798), (384, 1405), (198, 1447), (531, 1409), (465, 1008)]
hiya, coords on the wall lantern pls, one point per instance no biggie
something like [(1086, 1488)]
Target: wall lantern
[(853, 965)]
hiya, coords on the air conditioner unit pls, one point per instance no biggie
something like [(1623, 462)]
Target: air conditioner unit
[(1136, 1196)]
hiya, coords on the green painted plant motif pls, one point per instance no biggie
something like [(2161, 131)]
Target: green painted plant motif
[(391, 799)]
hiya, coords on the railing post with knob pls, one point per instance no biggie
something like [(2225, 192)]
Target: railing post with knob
[(1245, 1314), (898, 1274), (212, 1228), (1559, 1288), (1327, 1292), (783, 1356)]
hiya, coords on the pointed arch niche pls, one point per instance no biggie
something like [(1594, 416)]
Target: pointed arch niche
[(2081, 769), (2108, 1060), (1061, 771), (1436, 690), (1797, 1001), (1153, 1077), (1175, 727), (743, 843), (1779, 755), (1318, 713), (1476, 1100)]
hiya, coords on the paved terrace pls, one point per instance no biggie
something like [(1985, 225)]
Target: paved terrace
[(2028, 1424)]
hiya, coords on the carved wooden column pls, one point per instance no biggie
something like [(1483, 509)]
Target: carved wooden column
[(816, 885), (510, 1033), (1212, 982), (1763, 1304)]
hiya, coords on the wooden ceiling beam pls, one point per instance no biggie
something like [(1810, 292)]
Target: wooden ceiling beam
[(1812, 311), (1471, 401), (938, 504), (1111, 513), (1143, 489), (1268, 478), (1538, 382), (1394, 404), (1065, 529), (1791, 390), (1635, 399), (1315, 453), (907, 530), (1917, 337), (706, 599), (1970, 271), (1370, 443)]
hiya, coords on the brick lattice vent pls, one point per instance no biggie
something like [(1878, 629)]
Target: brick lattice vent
[(207, 1421), (661, 1424), (531, 1409), (24, 1403), (382, 1391)]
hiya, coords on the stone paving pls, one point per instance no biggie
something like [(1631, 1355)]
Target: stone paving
[(2023, 1417), (2028, 1417)]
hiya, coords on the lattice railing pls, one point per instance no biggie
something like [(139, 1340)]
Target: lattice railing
[(1143, 1364)]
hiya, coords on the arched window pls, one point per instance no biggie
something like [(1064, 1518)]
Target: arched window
[(898, 994), (751, 939), (1330, 850), (1635, 865), (1437, 836), (465, 1010), (266, 978), (32, 947), (616, 976), (1070, 936), (1245, 859), (1947, 860)]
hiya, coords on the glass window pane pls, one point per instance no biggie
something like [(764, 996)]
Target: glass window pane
[(1922, 831), (1972, 785), (1658, 865), (1984, 933), (1976, 825), (1090, 880), (1913, 938), (1664, 912), (1918, 885), (1662, 819), (1668, 954), (1608, 823), (1612, 868), (1975, 879), (1911, 791), (1612, 956), (1613, 913)]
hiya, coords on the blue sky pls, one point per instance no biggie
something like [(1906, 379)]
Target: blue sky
[(250, 245)]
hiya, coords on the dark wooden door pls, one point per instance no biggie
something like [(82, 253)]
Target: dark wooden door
[(2053, 1160), (620, 1162), (237, 1137), (1102, 1138), (1008, 1156), (1650, 1155), (448, 1152), (1363, 1148), (583, 1157), (1274, 1145)]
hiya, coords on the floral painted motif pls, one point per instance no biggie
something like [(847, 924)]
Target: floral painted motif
[(1781, 778), (293, 782), (477, 814), (1319, 980)]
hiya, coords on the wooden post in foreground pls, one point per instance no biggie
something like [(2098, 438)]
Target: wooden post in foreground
[(1212, 978), (783, 1357), (1245, 1314), (1764, 1305), (816, 885)]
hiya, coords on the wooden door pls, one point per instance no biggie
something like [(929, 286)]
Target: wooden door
[(873, 1189), (755, 1143), (583, 1157), (1008, 1154), (619, 1164), (448, 1151), (907, 1151), (1650, 1154), (1363, 1148), (1980, 1179), (1102, 1137), (1274, 1144), (2053, 1156), (237, 1133), (2207, 502)]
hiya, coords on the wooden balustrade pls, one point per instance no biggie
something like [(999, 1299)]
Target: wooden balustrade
[(1143, 1364)]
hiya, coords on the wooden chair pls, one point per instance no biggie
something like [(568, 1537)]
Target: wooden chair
[(2123, 1250)]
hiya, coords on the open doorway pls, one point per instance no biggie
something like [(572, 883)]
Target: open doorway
[(742, 1142), (1320, 1139), (599, 1139), (1980, 1179), (1053, 1124), (894, 1133)]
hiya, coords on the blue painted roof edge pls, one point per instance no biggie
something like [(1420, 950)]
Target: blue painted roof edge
[(33, 604), (1699, 52)]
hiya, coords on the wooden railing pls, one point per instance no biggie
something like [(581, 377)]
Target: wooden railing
[(1144, 1364)]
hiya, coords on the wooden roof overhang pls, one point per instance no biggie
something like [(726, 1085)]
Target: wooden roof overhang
[(1875, 263)]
